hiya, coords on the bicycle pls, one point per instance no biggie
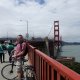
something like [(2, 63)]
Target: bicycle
[(11, 69)]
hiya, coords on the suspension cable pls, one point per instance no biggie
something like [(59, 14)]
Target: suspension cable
[(50, 31)]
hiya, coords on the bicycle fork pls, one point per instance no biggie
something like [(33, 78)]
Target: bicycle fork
[(11, 71)]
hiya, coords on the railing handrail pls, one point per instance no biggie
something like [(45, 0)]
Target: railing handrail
[(65, 71)]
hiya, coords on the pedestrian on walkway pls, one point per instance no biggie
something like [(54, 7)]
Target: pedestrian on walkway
[(1, 53), (10, 47), (4, 50)]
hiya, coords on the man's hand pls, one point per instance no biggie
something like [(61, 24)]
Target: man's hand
[(14, 56)]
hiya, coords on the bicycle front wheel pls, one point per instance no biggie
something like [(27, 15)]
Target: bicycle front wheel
[(8, 73)]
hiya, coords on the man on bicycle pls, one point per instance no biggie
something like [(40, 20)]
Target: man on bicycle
[(18, 54)]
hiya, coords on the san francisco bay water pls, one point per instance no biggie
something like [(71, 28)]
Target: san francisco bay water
[(71, 51)]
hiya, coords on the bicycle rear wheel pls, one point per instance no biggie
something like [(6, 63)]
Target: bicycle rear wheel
[(30, 74), (8, 73)]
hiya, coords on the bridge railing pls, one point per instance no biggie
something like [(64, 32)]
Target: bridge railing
[(47, 68)]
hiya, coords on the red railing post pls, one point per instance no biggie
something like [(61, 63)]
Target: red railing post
[(48, 72), (40, 68), (44, 70), (58, 76), (52, 74)]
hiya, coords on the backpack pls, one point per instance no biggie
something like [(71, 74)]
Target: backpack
[(4, 47), (1, 49), (26, 50)]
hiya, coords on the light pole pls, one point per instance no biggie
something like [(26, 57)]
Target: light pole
[(27, 31), (26, 28), (7, 35)]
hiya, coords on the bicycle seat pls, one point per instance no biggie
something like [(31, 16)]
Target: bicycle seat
[(29, 67), (25, 60)]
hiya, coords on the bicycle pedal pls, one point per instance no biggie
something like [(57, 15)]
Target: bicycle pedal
[(30, 78), (30, 67), (11, 71)]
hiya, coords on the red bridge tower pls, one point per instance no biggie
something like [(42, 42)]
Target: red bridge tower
[(56, 37)]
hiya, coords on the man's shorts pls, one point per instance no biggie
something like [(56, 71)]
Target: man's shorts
[(19, 65)]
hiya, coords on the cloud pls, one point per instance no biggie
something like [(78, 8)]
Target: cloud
[(40, 15)]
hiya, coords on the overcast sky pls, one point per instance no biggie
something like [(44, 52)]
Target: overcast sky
[(41, 15)]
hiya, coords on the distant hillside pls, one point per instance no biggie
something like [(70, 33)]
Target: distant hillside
[(70, 43), (39, 39), (9, 38)]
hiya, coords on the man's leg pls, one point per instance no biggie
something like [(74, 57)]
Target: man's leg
[(20, 75), (10, 59), (1, 57), (9, 56), (20, 72)]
